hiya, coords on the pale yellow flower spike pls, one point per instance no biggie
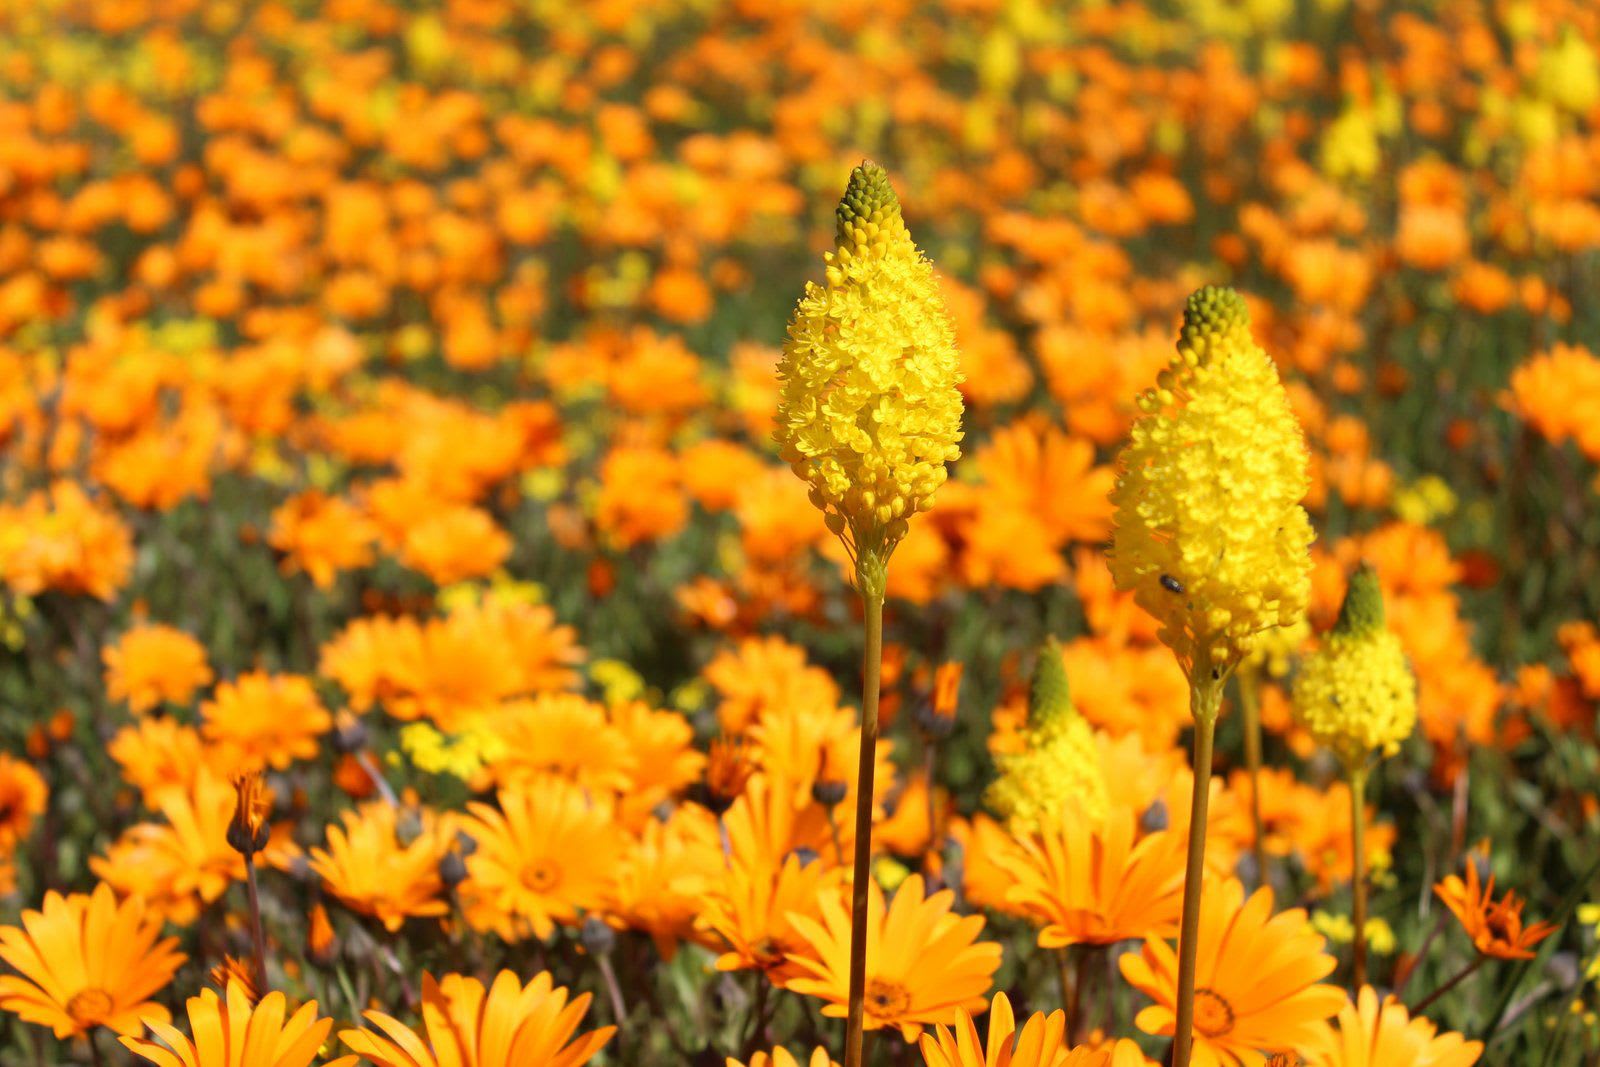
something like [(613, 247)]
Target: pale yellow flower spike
[(1210, 535), (869, 413)]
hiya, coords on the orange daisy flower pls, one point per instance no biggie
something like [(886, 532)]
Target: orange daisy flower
[(261, 720), (924, 962), (507, 1025), (321, 535), (1495, 926), (239, 1033), (1041, 1043), (87, 961), (547, 854), (1256, 982), (1081, 883), (1381, 1033), (371, 871), (152, 664), (782, 1057), (23, 796)]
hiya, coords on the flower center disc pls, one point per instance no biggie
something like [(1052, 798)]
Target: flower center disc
[(1213, 1015), (542, 875), (90, 1007), (887, 1000)]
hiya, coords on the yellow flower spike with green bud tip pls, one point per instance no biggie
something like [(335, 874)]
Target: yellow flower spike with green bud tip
[(869, 413), (1056, 775), (1356, 694), (1209, 532)]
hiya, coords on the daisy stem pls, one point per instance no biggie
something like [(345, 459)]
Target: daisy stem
[(1358, 875), (619, 1007), (930, 769), (758, 1015), (257, 936), (95, 1055), (1250, 709), (1204, 697), (872, 603), (1460, 977), (1071, 988)]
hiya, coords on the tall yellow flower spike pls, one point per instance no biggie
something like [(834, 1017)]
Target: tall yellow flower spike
[(1210, 535), (869, 413), (1211, 539)]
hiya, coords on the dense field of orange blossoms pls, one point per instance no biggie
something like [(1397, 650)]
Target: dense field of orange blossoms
[(469, 484)]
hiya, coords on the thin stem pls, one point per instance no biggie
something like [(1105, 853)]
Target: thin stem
[(871, 668), (1204, 700), (379, 782), (619, 1007), (1460, 977), (1358, 875), (930, 767), (257, 935), (833, 832), (1250, 710), (1071, 988), (95, 1055), (758, 1017)]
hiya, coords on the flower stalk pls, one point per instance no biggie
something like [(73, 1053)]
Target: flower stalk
[(861, 868), (1205, 697), (1358, 875)]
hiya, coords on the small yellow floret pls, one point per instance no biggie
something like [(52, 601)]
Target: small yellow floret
[(1210, 535), (869, 413)]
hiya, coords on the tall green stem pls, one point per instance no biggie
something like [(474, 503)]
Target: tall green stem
[(1204, 698), (1250, 709), (1358, 874), (872, 662)]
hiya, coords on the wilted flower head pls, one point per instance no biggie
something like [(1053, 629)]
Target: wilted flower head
[(870, 413), (1210, 535)]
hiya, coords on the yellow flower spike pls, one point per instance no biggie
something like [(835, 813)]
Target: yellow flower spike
[(869, 413), (1210, 535), (1356, 695), (1210, 538)]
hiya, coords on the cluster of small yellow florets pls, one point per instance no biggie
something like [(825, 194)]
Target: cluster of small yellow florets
[(1210, 535), (1356, 694), (870, 413), (1056, 776)]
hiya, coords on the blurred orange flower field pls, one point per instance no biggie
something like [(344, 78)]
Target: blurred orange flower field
[(982, 533)]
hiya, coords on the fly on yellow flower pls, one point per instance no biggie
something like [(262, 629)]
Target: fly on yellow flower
[(1210, 536)]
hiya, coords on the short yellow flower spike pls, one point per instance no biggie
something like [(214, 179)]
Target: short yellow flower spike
[(1057, 774), (1210, 536), (1356, 694), (870, 413)]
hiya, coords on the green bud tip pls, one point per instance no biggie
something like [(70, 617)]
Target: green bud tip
[(1213, 310), (1049, 695), (1362, 612), (868, 198)]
